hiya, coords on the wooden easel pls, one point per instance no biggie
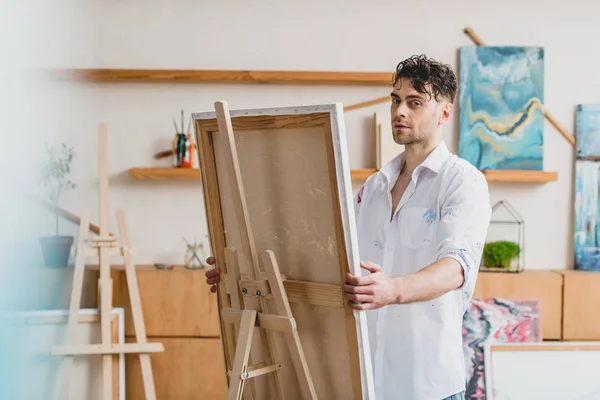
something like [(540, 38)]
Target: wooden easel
[(246, 285), (105, 246)]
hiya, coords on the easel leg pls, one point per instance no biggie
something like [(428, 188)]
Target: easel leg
[(242, 353), (75, 304), (292, 338), (105, 282), (233, 277), (136, 308), (268, 353), (105, 316)]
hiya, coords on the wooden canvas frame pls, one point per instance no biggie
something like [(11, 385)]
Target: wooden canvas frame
[(294, 166), (87, 317)]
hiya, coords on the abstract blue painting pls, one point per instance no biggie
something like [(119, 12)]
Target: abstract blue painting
[(587, 187), (588, 131), (587, 224), (501, 121)]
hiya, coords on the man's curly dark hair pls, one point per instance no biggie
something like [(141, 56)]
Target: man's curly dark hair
[(428, 77)]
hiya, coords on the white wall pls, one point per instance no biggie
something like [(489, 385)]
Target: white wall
[(285, 35)]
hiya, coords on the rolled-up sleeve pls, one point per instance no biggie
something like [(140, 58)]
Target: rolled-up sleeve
[(465, 214)]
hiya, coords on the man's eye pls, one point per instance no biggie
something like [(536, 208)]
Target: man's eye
[(416, 103)]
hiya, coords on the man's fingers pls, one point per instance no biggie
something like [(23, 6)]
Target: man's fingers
[(359, 298), (358, 289), (213, 272), (213, 281), (213, 288), (358, 280), (371, 267), (352, 280), (210, 260)]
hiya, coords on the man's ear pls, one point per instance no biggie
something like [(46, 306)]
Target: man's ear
[(446, 113)]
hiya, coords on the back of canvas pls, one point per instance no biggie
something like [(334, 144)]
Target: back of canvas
[(299, 207)]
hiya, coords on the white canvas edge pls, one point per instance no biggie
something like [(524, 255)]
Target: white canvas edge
[(342, 168), (286, 110), (487, 356), (118, 311)]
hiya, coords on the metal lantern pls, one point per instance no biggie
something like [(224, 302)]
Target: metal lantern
[(504, 247)]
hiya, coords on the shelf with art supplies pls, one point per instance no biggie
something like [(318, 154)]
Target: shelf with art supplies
[(503, 249), (182, 154), (194, 173)]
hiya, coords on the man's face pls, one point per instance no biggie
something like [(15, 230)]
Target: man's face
[(416, 118)]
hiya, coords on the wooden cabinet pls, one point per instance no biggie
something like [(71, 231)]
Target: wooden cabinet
[(581, 305), (543, 285), (174, 303), (188, 369), (181, 313)]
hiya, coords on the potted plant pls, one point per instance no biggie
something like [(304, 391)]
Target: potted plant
[(500, 254), (54, 173)]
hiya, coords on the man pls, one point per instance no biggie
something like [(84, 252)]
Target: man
[(422, 222)]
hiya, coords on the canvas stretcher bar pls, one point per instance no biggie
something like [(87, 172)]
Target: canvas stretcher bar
[(295, 171)]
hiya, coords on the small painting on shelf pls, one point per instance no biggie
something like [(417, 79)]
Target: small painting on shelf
[(587, 185), (587, 225), (501, 121), (588, 132)]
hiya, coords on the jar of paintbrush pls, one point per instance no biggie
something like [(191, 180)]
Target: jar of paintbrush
[(182, 148)]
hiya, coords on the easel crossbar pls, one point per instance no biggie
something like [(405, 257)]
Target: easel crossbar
[(265, 321), (257, 370)]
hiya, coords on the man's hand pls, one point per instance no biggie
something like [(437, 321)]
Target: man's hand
[(213, 276), (372, 291)]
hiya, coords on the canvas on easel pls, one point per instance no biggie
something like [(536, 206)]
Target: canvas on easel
[(278, 203)]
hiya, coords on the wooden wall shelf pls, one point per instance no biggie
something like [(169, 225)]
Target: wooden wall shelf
[(229, 76), (194, 173), (164, 173), (357, 174), (520, 176)]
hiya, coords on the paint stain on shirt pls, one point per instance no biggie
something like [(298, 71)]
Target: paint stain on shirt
[(360, 194), (449, 210), (430, 216)]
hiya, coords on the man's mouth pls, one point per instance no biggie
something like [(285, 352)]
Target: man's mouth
[(400, 126)]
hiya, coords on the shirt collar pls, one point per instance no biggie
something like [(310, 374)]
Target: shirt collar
[(434, 162)]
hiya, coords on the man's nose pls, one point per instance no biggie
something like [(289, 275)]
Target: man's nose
[(401, 110)]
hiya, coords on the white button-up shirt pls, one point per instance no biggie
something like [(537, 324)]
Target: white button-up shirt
[(417, 348)]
